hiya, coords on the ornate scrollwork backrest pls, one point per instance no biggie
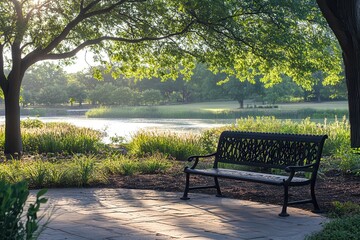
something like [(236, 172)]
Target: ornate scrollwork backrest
[(269, 149)]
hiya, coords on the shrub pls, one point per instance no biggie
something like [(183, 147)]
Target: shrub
[(12, 201)]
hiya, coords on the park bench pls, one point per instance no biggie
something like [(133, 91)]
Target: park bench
[(287, 160)]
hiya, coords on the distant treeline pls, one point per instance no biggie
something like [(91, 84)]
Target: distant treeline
[(47, 84)]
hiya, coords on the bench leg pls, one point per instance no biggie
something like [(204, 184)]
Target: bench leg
[(313, 198), (218, 191), (286, 200), (186, 191)]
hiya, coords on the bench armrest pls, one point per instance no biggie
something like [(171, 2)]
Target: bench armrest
[(191, 158), (294, 169)]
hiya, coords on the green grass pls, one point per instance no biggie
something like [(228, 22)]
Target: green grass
[(222, 110), (78, 171), (337, 153), (345, 223), (41, 137), (347, 228), (338, 131), (179, 146)]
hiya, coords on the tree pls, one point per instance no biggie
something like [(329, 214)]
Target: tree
[(344, 19), (151, 97), (45, 84), (52, 95), (123, 96), (239, 90), (76, 92), (282, 92), (162, 38)]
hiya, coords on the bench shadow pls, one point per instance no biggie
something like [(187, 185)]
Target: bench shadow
[(90, 213)]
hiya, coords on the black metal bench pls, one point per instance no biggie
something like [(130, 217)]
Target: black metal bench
[(291, 154)]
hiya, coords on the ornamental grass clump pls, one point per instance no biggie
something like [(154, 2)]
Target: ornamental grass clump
[(79, 170), (176, 145), (124, 165), (337, 131), (58, 138)]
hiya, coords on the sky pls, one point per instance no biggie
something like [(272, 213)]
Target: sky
[(83, 61)]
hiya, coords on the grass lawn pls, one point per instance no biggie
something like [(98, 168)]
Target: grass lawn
[(341, 105), (224, 110)]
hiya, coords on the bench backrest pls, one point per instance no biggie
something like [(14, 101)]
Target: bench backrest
[(271, 150)]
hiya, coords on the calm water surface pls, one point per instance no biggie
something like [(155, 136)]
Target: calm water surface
[(127, 127)]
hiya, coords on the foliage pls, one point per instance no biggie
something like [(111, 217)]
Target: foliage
[(337, 131), (344, 209), (61, 137), (240, 90), (209, 112), (179, 146), (119, 164), (163, 32), (203, 86), (151, 97), (336, 149), (342, 228), (45, 84), (31, 123), (12, 202), (165, 39), (39, 137), (81, 170)]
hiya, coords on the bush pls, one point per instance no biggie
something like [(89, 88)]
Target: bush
[(12, 201)]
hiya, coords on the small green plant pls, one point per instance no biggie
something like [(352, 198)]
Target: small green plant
[(344, 209), (154, 164), (38, 172), (129, 167), (117, 139), (84, 168), (12, 201), (31, 123)]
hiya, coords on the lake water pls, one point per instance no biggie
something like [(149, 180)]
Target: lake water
[(127, 127)]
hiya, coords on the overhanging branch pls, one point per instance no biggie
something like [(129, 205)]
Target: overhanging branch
[(115, 39)]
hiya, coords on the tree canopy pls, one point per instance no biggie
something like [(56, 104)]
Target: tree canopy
[(165, 38)]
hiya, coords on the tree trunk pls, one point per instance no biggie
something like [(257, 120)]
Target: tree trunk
[(344, 19), (241, 103), (13, 142), (352, 64)]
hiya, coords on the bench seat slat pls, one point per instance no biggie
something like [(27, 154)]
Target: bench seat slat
[(271, 179)]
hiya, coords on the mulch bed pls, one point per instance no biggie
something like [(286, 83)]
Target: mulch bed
[(329, 188)]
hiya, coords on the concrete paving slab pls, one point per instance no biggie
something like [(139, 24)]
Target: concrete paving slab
[(114, 214)]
